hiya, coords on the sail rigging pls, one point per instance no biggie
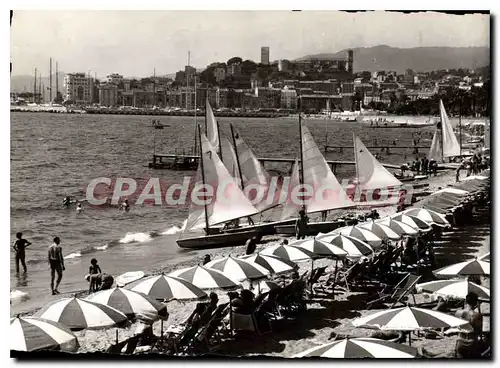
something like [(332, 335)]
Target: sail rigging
[(229, 159), (328, 194), (451, 147), (228, 201), (290, 208), (435, 152)]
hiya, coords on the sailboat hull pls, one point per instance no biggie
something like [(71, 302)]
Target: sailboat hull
[(218, 240), (313, 228), (265, 228)]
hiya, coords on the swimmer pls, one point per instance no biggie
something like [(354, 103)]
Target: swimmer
[(79, 208), (125, 206)]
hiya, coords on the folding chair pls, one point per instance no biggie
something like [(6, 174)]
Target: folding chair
[(405, 286)]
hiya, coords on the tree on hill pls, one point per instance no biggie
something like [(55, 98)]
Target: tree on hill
[(248, 67), (234, 60)]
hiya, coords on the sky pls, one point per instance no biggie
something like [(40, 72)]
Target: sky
[(134, 43)]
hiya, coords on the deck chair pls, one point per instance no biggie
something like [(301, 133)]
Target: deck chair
[(117, 348), (354, 270), (405, 286), (210, 331), (314, 279)]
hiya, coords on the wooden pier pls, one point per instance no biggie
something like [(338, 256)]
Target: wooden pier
[(190, 162)]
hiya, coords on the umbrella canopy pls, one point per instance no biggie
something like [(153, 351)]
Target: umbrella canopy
[(408, 319), (485, 257), (360, 233), (428, 216), (131, 303), (273, 264), (472, 267), (381, 230), (453, 191), (32, 334), (360, 348), (238, 269), (265, 285), (353, 246), (320, 248), (164, 287), (398, 227), (79, 314), (289, 253), (205, 278), (454, 288), (412, 221)]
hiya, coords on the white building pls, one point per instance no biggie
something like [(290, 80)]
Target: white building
[(78, 88), (288, 98)]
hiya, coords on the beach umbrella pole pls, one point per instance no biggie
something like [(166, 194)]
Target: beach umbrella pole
[(117, 336), (161, 328)]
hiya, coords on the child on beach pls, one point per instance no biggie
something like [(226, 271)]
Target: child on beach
[(94, 270)]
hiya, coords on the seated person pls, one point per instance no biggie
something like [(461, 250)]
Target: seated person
[(246, 305), (468, 342), (210, 307), (103, 280), (409, 256)]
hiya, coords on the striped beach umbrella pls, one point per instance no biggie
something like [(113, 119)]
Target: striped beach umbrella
[(289, 253), (412, 221), (408, 319), (34, 334), (162, 287), (205, 278), (361, 347), (265, 286), (131, 303), (398, 227), (354, 247), (320, 248), (238, 269), (381, 230), (273, 264), (454, 288), (79, 314), (429, 216), (467, 268), (485, 257), (359, 233)]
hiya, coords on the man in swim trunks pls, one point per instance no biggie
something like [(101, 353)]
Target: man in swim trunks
[(56, 261), (19, 247)]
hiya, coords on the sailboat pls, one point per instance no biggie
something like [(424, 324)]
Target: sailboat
[(234, 205), (444, 142), (371, 177), (328, 194)]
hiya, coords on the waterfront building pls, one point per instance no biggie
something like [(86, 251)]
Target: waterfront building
[(288, 98), (108, 94), (78, 88)]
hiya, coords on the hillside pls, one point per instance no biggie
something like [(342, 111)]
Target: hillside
[(421, 59)]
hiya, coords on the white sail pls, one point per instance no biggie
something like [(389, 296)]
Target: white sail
[(291, 209), (229, 159), (212, 128), (228, 202), (254, 175), (371, 174), (451, 147), (435, 152), (328, 193)]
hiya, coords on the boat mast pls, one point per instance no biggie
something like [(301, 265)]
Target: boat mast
[(203, 180), (460, 125), (195, 115), (218, 136), (57, 80), (187, 78), (34, 89), (154, 87), (358, 182), (237, 157), (301, 176), (50, 81), (442, 112)]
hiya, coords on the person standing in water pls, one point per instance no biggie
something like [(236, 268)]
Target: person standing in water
[(56, 261), (19, 246), (79, 208), (125, 206)]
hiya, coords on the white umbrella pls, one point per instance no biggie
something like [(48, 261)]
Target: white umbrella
[(353, 246), (79, 314), (273, 264), (131, 303), (238, 269), (205, 278), (34, 334), (398, 227), (467, 268), (361, 347), (381, 230), (320, 248), (162, 287), (359, 233), (413, 221), (454, 288), (485, 257), (409, 319), (289, 253), (429, 216)]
